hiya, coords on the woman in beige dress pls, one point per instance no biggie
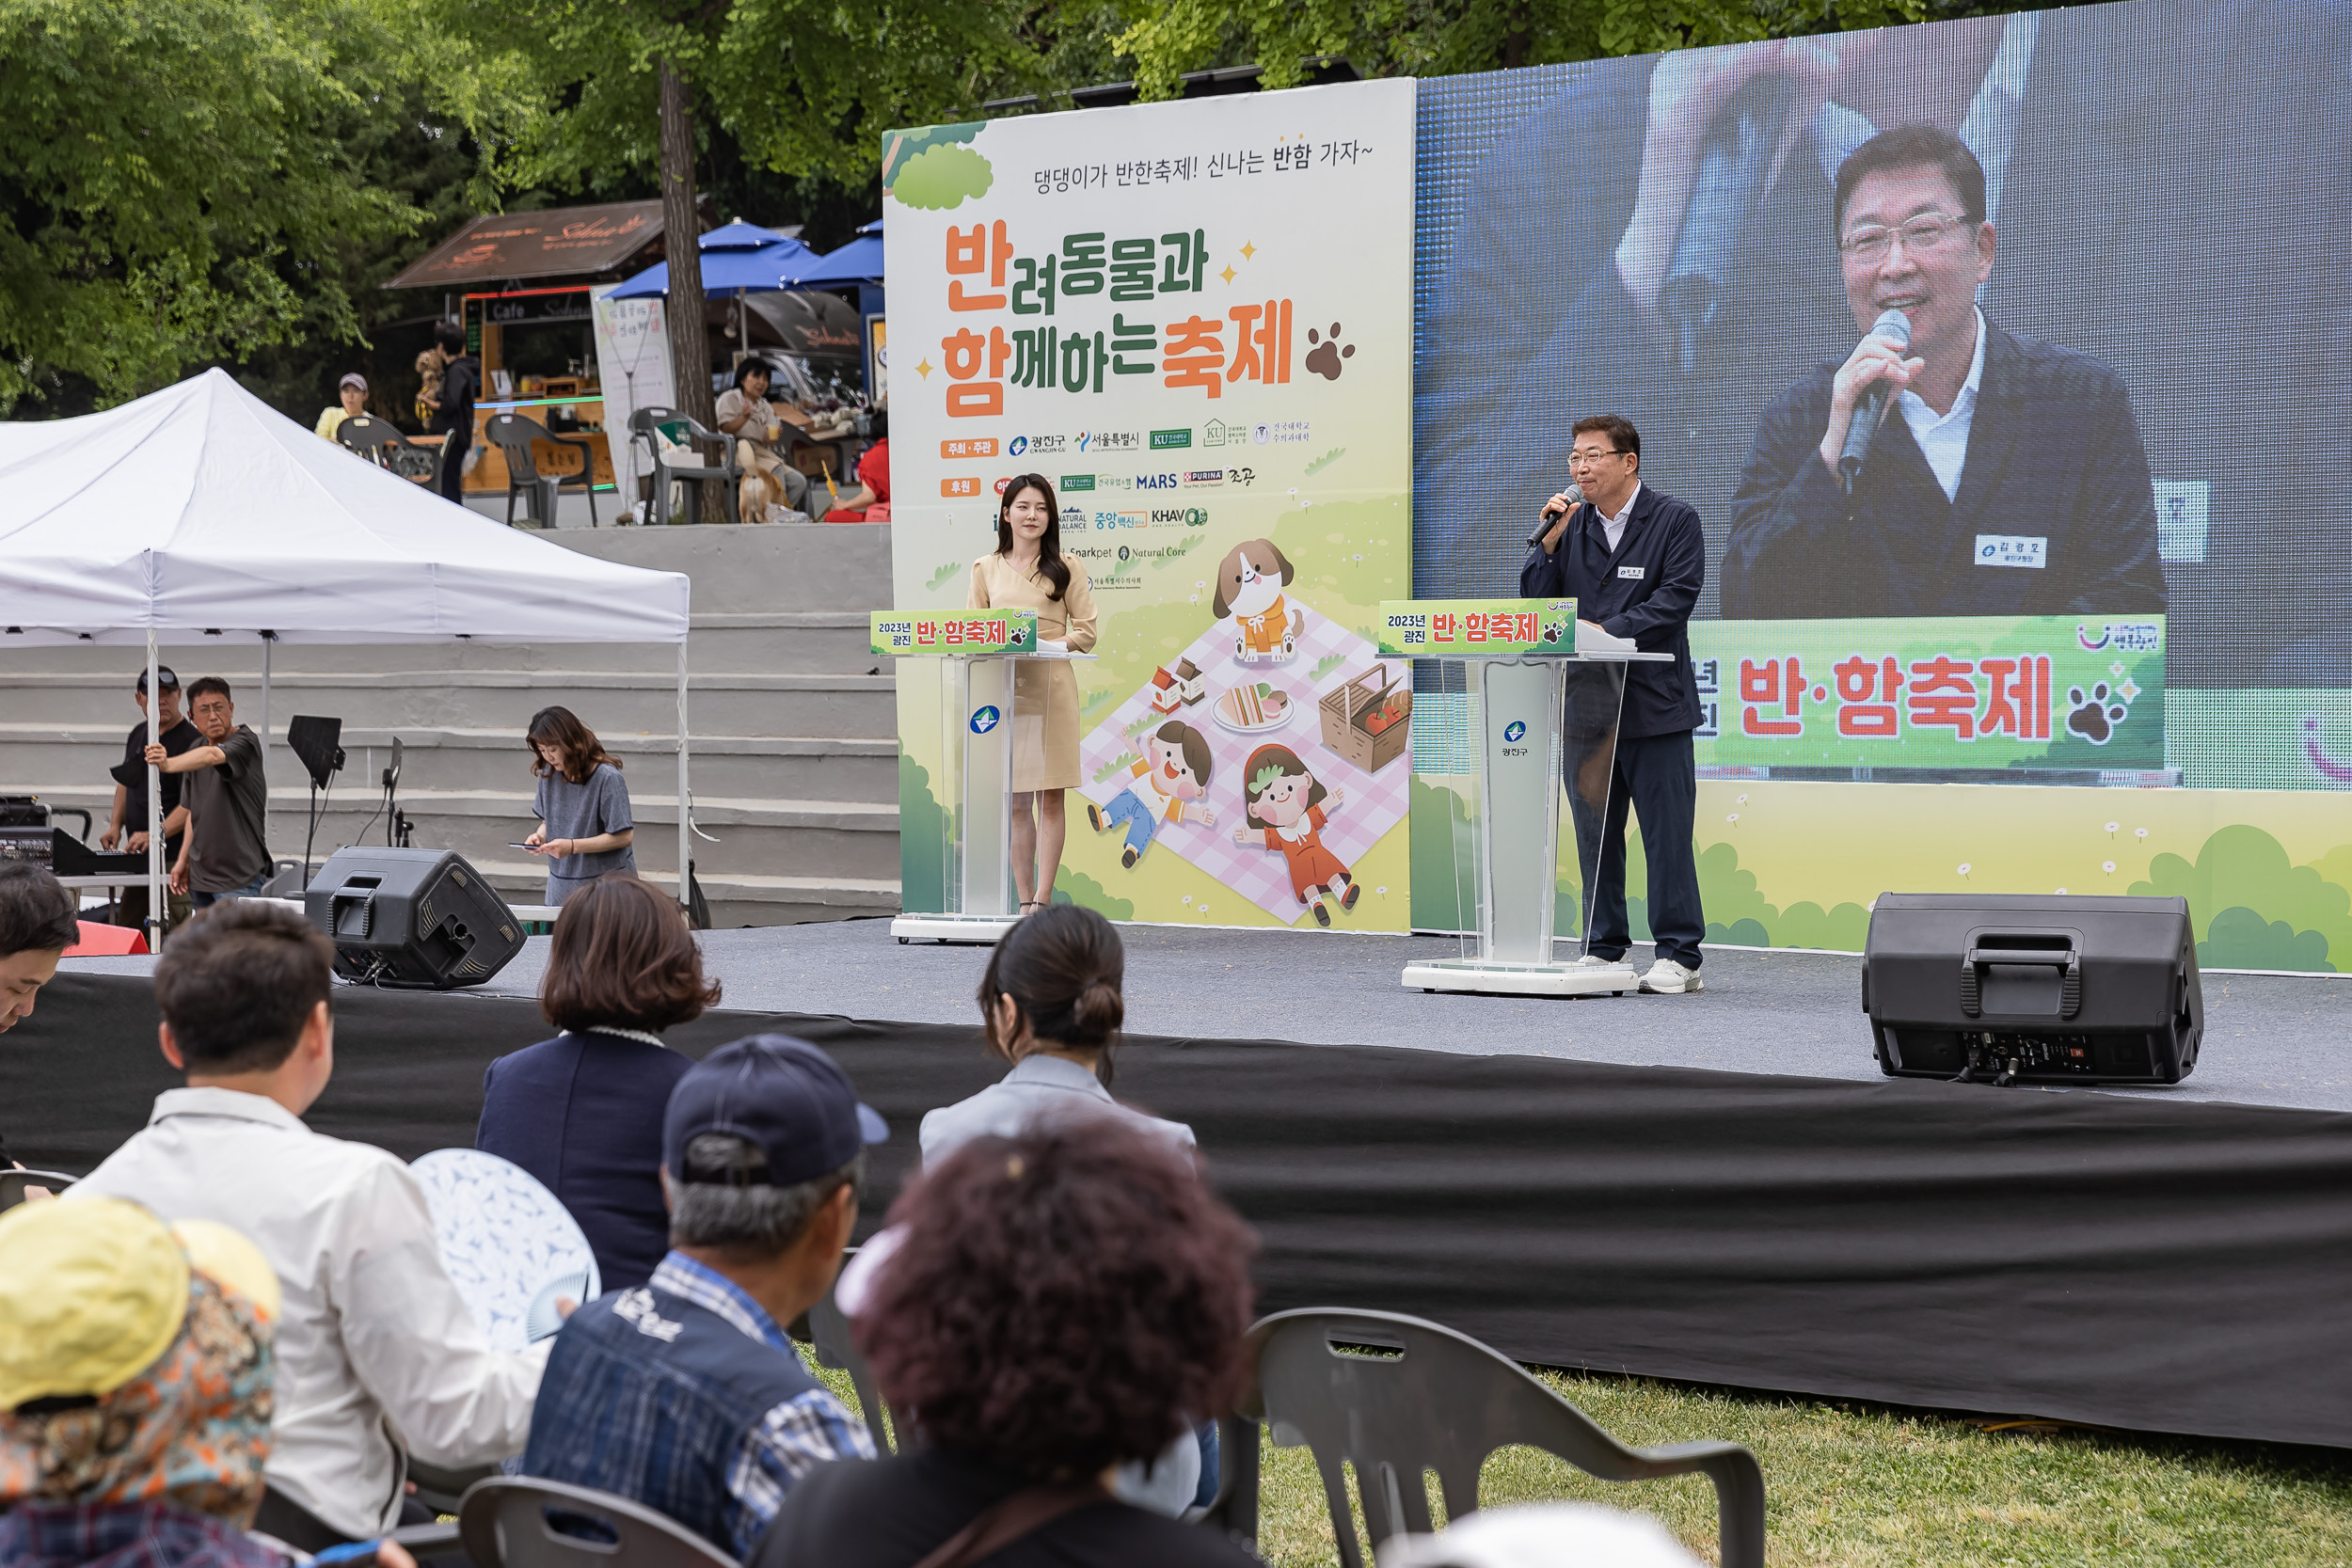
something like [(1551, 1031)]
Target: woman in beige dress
[(1027, 572)]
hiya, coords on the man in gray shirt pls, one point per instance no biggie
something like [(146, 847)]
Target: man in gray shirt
[(225, 852)]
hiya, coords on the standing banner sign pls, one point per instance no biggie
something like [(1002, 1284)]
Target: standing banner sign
[(1195, 319)]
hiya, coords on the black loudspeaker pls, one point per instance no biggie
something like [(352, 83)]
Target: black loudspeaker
[(411, 919), (2036, 990)]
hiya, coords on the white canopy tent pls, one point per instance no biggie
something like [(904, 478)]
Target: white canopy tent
[(199, 510)]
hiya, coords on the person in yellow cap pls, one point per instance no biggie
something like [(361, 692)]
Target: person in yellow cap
[(135, 1373)]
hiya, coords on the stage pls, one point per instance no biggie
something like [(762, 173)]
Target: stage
[(1718, 1187), (2271, 1039)]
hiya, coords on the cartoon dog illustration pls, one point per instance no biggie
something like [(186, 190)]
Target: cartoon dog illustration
[(1171, 786), (1284, 801), (1250, 584)]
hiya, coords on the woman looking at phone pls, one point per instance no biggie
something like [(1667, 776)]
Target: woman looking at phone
[(1027, 572), (585, 829)]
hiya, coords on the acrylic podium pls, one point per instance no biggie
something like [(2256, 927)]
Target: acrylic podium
[(985, 719), (1534, 710)]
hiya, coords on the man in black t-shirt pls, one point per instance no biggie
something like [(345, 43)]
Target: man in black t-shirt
[(226, 853), (127, 827), (461, 386)]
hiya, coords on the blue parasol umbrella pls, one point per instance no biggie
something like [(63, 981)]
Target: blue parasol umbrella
[(739, 259), (859, 262)]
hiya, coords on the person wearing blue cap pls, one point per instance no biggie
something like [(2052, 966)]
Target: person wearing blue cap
[(684, 1393)]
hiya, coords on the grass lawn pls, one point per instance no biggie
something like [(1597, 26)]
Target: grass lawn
[(1861, 1486), (1872, 1488)]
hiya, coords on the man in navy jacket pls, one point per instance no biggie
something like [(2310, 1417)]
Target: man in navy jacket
[(2007, 477), (1634, 560)]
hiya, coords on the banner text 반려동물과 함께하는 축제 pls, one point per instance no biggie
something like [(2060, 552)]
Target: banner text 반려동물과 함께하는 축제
[(1153, 309)]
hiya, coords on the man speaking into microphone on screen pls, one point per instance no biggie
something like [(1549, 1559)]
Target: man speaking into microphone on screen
[(1947, 468), (1633, 559)]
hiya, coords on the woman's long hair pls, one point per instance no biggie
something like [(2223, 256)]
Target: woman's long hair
[(1048, 561), (559, 728)]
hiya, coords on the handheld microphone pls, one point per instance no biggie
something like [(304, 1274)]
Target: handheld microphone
[(1551, 516), (1734, 160), (1894, 328)]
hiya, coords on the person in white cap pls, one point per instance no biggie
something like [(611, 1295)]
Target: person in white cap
[(352, 398)]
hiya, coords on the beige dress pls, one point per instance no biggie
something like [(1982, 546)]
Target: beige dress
[(1045, 696)]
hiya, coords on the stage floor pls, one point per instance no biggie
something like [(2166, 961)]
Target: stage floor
[(2270, 1040)]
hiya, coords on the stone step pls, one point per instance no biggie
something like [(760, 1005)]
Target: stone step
[(805, 641), (784, 766), (790, 566), (615, 702)]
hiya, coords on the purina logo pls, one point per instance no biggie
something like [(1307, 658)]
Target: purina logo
[(1205, 475)]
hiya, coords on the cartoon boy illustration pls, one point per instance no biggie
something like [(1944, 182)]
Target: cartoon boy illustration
[(1282, 799), (1250, 584), (1172, 784)]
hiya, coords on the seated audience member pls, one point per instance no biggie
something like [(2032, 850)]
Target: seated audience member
[(136, 1384), (1061, 1303), (1050, 1005), (685, 1393), (771, 486), (374, 1339), (582, 1112), (39, 921), (351, 400), (870, 502)]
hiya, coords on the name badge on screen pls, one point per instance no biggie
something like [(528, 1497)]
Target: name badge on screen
[(2013, 550), (1633, 572)]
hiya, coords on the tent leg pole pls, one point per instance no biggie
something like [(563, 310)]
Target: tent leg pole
[(158, 911), (685, 828), (268, 639)]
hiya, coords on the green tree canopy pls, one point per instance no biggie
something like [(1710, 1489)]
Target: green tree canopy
[(177, 179)]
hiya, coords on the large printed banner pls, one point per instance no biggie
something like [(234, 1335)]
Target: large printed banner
[(1195, 321), (1954, 694)]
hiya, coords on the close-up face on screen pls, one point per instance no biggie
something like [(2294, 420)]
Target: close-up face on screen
[(1998, 358)]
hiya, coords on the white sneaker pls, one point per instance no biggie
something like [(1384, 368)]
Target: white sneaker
[(1593, 961), (1669, 978)]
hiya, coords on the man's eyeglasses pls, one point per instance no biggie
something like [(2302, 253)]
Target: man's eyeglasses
[(1872, 243), (1585, 457)]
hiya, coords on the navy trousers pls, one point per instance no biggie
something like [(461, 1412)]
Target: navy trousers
[(1656, 776)]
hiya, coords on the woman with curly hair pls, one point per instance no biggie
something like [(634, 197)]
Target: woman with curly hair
[(1062, 1302)]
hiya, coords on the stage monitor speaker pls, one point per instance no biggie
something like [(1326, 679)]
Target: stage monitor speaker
[(2046, 988), (411, 919)]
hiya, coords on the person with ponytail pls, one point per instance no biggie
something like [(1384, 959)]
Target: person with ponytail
[(1050, 1005), (1027, 572)]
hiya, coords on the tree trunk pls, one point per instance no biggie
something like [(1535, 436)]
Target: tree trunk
[(681, 234)]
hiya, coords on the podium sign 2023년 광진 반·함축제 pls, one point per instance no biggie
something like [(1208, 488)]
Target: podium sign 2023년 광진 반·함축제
[(1540, 711)]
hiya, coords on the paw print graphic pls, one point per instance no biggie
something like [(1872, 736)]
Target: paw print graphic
[(1325, 358), (2094, 716)]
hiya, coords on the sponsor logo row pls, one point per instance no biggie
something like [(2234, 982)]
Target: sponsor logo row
[(1182, 479), (1216, 433)]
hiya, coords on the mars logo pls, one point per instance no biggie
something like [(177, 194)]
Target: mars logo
[(1155, 482), (1020, 445), (984, 720), (1513, 731)]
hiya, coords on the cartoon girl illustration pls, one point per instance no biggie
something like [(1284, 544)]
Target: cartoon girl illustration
[(1171, 786), (1285, 802)]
